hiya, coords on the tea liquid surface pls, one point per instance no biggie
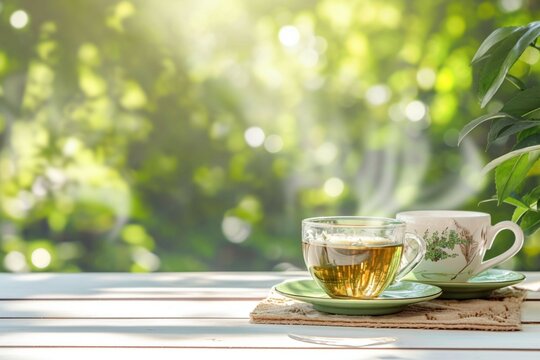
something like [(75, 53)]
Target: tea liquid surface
[(361, 272)]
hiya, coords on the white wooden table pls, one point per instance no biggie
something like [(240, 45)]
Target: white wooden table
[(206, 316)]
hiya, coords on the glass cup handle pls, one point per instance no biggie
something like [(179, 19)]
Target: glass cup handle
[(407, 267)]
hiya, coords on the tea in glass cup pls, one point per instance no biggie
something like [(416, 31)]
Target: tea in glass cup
[(356, 257)]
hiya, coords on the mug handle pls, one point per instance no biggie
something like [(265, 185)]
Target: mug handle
[(409, 266), (490, 237)]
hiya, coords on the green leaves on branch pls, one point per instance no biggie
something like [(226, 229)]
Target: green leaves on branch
[(528, 141), (506, 127), (497, 54), (501, 159), (525, 104), (478, 121), (511, 173), (527, 212), (519, 116)]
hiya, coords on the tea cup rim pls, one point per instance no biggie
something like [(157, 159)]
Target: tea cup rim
[(438, 214), (321, 221)]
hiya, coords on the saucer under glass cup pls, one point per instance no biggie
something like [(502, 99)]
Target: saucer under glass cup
[(355, 263)]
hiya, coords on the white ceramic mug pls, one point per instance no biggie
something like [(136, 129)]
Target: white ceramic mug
[(456, 242)]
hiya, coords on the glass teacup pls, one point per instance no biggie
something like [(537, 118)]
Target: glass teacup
[(355, 257)]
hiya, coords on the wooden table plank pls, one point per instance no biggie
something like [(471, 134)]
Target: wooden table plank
[(233, 333), (126, 309), (197, 313), (157, 309), (314, 354), (242, 285), (250, 354), (141, 286)]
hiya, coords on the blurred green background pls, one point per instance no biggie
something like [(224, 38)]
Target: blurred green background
[(195, 135)]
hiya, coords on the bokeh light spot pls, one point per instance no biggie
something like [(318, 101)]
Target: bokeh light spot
[(289, 36), (147, 260), (235, 229), (334, 187), (309, 57), (455, 25), (378, 94), (273, 143), (425, 78), (510, 5), (415, 110), (15, 262), (19, 19), (326, 153), (41, 258), (254, 136), (450, 137)]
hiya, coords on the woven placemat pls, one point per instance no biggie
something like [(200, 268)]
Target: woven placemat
[(500, 312)]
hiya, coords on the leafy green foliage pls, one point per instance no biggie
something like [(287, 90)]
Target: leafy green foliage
[(496, 56), (523, 104), (482, 119), (510, 174), (519, 116)]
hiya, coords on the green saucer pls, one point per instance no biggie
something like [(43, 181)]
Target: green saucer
[(479, 286), (394, 299)]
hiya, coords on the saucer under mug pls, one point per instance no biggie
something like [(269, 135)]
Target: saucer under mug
[(479, 286)]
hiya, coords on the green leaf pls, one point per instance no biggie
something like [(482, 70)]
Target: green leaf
[(503, 128), (516, 202), (493, 38), (524, 103), (529, 141), (489, 70), (518, 127), (520, 85), (526, 133), (496, 162), (496, 128), (494, 198), (510, 174), (532, 197), (509, 200), (518, 213), (530, 222), (478, 121)]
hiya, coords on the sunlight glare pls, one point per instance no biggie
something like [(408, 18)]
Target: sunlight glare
[(289, 36)]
